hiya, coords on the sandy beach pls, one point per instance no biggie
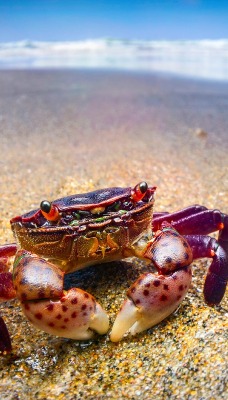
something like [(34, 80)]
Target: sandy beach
[(72, 131)]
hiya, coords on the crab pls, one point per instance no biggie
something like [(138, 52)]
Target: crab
[(102, 226)]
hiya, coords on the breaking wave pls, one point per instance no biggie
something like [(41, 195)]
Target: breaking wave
[(199, 58)]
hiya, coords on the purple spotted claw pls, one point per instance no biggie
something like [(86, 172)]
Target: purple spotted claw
[(76, 315), (150, 299), (155, 296), (72, 314)]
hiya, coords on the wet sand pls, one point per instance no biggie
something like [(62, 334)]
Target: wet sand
[(65, 132)]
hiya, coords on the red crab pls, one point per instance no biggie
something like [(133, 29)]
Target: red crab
[(106, 225)]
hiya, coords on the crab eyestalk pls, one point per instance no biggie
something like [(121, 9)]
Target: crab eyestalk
[(139, 191), (49, 211)]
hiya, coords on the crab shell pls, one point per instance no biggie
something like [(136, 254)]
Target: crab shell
[(89, 229)]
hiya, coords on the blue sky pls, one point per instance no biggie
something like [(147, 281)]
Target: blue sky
[(135, 19)]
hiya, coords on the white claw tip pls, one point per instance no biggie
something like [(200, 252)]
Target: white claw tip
[(100, 320), (124, 320)]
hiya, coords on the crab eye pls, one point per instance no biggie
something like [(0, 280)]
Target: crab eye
[(49, 211), (139, 191)]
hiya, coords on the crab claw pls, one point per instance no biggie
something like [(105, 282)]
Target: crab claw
[(76, 315), (150, 299), (71, 314)]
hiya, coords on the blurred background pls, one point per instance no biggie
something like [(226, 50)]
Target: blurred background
[(185, 37)]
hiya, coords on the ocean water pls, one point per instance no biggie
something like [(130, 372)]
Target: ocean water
[(207, 59)]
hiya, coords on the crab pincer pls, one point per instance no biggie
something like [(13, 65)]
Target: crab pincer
[(154, 297), (72, 314)]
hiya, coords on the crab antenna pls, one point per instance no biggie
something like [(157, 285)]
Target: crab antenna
[(49, 211), (139, 191)]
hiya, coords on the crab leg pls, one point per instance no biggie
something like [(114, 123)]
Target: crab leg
[(6, 251), (155, 296), (7, 292), (72, 314), (195, 222), (5, 342), (217, 276)]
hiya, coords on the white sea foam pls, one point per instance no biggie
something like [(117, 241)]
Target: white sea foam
[(201, 58)]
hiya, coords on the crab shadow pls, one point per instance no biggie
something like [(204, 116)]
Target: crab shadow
[(107, 279)]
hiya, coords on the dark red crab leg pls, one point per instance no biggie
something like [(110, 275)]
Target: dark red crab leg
[(5, 342), (177, 217), (217, 276), (194, 222), (8, 250), (223, 234), (7, 292)]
